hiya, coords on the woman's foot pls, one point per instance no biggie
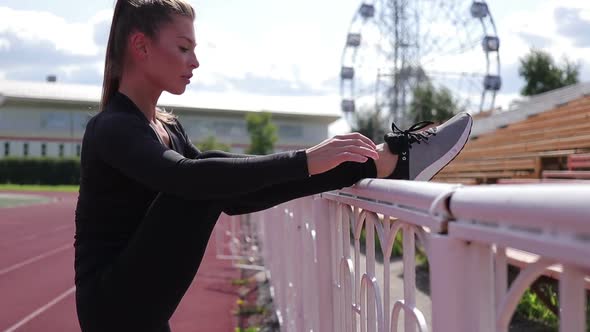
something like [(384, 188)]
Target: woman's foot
[(387, 161), (422, 154)]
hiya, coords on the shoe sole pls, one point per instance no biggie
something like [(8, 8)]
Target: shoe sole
[(434, 168)]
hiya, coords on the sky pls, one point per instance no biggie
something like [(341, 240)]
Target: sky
[(287, 52)]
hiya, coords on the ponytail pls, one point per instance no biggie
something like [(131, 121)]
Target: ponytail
[(110, 83)]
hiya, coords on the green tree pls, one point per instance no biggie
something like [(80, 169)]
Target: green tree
[(368, 123), (211, 143), (541, 73), (432, 104), (263, 133)]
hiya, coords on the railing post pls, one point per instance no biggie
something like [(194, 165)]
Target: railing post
[(291, 278), (572, 300), (447, 284), (309, 287), (298, 260), (481, 294), (321, 215), (281, 281)]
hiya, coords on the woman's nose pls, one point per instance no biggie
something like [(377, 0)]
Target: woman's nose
[(194, 62)]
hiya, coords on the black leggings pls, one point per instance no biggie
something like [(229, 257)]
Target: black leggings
[(141, 290)]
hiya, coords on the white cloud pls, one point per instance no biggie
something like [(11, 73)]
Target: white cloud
[(227, 55), (338, 127), (536, 26), (4, 44), (72, 72), (328, 105), (539, 21), (101, 16), (503, 100), (287, 53), (231, 60), (35, 26), (298, 54), (69, 69)]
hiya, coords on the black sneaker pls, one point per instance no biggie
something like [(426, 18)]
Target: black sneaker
[(431, 149)]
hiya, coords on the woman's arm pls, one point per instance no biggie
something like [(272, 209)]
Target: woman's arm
[(322, 157), (344, 175), (126, 143)]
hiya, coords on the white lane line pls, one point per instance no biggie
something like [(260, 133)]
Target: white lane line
[(32, 236), (41, 310), (34, 259)]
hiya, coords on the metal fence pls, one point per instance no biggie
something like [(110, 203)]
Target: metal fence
[(324, 278)]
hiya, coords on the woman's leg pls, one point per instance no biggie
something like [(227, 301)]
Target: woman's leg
[(142, 288), (344, 175)]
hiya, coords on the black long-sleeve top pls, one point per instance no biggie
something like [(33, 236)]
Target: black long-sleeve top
[(124, 165)]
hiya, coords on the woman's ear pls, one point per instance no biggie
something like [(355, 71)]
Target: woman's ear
[(138, 43)]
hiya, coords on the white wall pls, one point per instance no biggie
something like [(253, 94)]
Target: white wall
[(36, 123), (16, 148)]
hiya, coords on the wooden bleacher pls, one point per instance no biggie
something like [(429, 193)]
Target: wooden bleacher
[(578, 161), (548, 147), (578, 168), (526, 150)]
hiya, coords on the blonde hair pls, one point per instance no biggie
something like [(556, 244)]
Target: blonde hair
[(136, 15)]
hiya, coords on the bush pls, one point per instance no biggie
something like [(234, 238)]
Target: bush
[(42, 171), (531, 308), (539, 305), (211, 143), (397, 249), (397, 244)]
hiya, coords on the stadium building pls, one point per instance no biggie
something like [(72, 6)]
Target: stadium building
[(49, 118)]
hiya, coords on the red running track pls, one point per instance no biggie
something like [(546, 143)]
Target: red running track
[(37, 276)]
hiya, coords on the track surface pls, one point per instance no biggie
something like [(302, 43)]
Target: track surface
[(37, 276)]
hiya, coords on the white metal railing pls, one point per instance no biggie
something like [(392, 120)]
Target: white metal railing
[(322, 282), (237, 240)]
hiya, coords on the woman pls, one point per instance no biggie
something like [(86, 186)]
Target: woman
[(149, 199)]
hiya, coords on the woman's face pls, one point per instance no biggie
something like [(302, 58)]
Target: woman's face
[(172, 56)]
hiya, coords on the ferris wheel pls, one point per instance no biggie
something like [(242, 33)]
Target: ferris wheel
[(394, 46)]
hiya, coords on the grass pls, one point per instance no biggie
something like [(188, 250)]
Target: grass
[(240, 282), (35, 187)]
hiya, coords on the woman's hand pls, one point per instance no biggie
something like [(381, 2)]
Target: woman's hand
[(338, 149)]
